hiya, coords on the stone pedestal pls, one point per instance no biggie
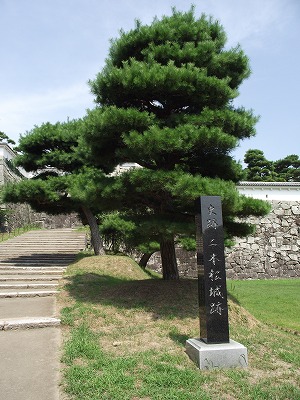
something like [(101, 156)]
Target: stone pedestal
[(221, 355)]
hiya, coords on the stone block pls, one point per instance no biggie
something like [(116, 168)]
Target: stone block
[(296, 210), (245, 245), (285, 206), (279, 211), (221, 355)]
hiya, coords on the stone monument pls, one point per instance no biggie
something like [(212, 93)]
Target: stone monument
[(214, 348)]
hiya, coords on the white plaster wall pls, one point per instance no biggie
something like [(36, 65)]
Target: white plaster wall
[(6, 152), (272, 193)]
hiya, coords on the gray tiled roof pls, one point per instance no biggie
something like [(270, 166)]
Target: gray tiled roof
[(277, 184)]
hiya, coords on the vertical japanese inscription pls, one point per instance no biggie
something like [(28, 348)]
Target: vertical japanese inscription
[(213, 307)]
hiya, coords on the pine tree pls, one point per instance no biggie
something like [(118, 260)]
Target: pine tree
[(259, 169), (6, 139), (52, 153), (166, 96), (288, 168), (262, 170)]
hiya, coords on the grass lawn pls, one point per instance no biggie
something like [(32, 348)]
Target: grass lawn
[(17, 232), (275, 302), (124, 339)]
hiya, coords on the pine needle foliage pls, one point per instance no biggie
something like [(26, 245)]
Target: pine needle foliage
[(166, 98)]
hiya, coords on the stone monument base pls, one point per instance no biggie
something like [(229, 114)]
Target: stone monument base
[(221, 355)]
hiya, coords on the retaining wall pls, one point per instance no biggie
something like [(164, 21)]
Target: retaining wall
[(20, 215), (273, 252)]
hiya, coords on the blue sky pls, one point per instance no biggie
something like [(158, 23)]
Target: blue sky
[(51, 48)]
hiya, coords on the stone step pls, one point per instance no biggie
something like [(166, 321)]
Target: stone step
[(44, 234), (31, 260), (29, 278), (35, 261), (23, 285), (12, 293), (36, 257), (59, 236), (43, 239), (28, 323), (40, 246), (26, 243), (27, 307), (50, 231), (34, 264), (13, 270), (49, 254), (31, 266), (42, 251)]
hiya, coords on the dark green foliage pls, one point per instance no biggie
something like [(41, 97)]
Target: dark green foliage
[(166, 93), (116, 232), (6, 139), (50, 146), (102, 129), (44, 195), (53, 153), (259, 168), (288, 169), (263, 170), (49, 152), (61, 177)]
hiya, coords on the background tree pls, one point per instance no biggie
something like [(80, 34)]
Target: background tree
[(6, 139), (261, 169), (166, 95), (288, 168)]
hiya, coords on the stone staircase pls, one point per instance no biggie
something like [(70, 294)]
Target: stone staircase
[(30, 268)]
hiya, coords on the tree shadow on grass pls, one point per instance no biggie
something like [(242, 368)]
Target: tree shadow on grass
[(165, 299), (233, 298), (179, 338)]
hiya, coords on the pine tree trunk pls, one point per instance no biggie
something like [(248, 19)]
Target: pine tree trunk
[(144, 260), (96, 239), (168, 259)]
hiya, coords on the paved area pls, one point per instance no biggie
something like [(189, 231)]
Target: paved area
[(29, 366), (30, 337)]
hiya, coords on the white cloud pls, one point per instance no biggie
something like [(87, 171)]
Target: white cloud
[(19, 114), (249, 21)]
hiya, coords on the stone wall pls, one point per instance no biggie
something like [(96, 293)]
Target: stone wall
[(21, 215), (273, 252)]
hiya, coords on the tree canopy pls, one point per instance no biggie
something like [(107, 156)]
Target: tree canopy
[(5, 138), (260, 169), (165, 102), (51, 152), (166, 97)]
